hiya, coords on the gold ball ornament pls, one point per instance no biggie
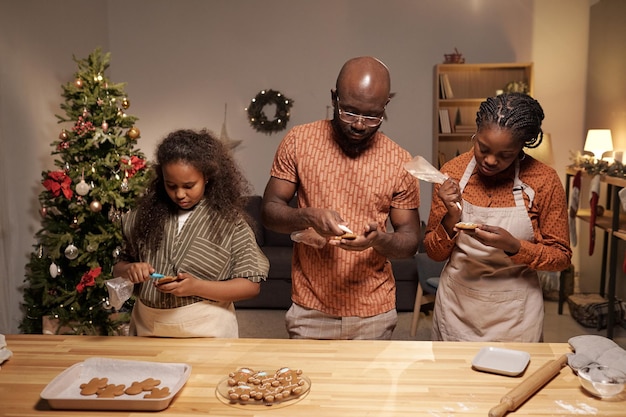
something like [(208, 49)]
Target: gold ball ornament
[(63, 135), (95, 206), (133, 133), (78, 83), (125, 103)]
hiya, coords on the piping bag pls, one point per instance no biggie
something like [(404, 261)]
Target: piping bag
[(528, 387), (423, 170)]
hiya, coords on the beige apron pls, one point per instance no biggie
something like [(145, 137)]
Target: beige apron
[(482, 294), (201, 319)]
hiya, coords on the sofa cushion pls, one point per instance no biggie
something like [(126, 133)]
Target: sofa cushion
[(253, 208), (273, 238), (280, 261)]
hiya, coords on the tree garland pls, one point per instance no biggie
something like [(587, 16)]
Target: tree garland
[(257, 118), (594, 166)]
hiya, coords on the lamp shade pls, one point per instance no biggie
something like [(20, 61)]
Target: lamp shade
[(598, 141)]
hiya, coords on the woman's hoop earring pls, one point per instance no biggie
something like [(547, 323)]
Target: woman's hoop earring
[(523, 156)]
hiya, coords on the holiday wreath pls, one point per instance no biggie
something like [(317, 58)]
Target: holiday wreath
[(259, 120)]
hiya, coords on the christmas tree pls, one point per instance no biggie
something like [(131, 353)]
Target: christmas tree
[(99, 176)]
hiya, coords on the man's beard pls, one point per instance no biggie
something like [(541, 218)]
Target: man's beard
[(351, 148)]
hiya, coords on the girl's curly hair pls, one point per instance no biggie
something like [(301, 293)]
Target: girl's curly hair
[(224, 191)]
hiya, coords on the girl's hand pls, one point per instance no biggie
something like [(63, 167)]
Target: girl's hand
[(183, 286), (137, 272)]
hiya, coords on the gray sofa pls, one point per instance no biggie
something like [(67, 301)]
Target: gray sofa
[(278, 247)]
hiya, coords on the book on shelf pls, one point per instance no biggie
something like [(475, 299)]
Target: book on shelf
[(444, 121), (461, 128), (446, 88)]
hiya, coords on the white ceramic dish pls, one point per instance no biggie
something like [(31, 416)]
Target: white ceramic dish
[(501, 361), (63, 392)]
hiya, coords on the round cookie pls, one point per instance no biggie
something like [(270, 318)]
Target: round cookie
[(466, 226)]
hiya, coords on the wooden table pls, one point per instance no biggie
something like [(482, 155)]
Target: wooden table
[(348, 378)]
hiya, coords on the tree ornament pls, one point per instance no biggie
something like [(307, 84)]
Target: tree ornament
[(78, 83), (117, 251), (71, 252), (74, 224), (82, 188), (114, 215), (43, 211), (54, 270), (95, 206), (105, 126), (124, 185), (64, 146), (133, 133), (125, 103), (259, 120), (63, 135)]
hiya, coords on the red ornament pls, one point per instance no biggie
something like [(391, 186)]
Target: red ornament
[(58, 182), (88, 279)]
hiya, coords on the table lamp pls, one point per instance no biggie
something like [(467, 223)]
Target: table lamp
[(598, 141)]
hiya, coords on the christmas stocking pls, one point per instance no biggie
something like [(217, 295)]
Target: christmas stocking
[(574, 199), (594, 193)]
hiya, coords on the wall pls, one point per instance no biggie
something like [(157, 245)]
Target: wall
[(184, 61)]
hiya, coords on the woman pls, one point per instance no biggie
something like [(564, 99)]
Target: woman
[(489, 289), (190, 225)]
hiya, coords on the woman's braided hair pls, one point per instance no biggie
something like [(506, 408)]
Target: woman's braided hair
[(518, 112)]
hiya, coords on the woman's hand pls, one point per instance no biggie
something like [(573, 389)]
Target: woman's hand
[(497, 237), (450, 195)]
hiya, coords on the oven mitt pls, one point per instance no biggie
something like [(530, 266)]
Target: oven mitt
[(5, 353), (596, 350)]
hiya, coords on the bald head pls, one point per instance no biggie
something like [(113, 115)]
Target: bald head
[(366, 77)]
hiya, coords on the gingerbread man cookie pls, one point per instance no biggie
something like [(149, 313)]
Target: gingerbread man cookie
[(111, 391), (239, 392), (93, 386), (240, 376), (137, 387), (158, 393)]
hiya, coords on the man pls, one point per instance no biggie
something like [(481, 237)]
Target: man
[(345, 173)]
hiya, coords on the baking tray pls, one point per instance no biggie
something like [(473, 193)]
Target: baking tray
[(501, 361), (63, 392)]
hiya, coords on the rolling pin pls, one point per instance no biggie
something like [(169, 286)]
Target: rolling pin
[(528, 387)]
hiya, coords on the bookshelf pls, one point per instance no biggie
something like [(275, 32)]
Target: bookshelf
[(613, 224), (458, 91)]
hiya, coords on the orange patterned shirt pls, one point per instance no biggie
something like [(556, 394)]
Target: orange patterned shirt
[(551, 249), (362, 190)]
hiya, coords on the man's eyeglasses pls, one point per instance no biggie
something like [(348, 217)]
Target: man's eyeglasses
[(349, 117)]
